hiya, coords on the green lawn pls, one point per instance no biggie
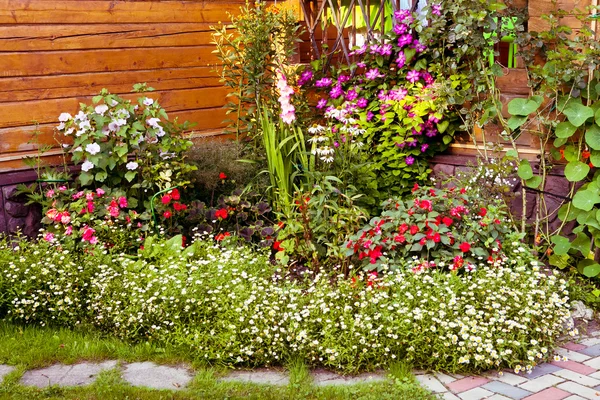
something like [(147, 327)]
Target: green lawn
[(33, 347)]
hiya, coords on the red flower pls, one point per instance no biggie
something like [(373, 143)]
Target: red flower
[(458, 262), (222, 176), (402, 228), (166, 199), (175, 194), (437, 238), (585, 154), (422, 241), (464, 247), (400, 239), (277, 246), (447, 221), (222, 236), (414, 229), (122, 202), (167, 214), (179, 207), (415, 188), (463, 191), (482, 212), (497, 221), (222, 213), (426, 205)]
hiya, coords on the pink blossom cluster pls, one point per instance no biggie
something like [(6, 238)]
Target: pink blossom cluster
[(288, 112)]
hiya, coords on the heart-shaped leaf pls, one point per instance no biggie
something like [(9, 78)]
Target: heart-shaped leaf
[(516, 121), (595, 158), (582, 244), (559, 261), (592, 137), (565, 129), (578, 113), (576, 171), (522, 107), (534, 182), (561, 244), (589, 268), (525, 171)]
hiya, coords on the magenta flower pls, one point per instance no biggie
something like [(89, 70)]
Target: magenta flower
[(400, 29), (410, 160), (427, 77), (433, 119), (436, 9), (413, 76), (400, 59), (424, 148), (343, 78), (362, 102), (336, 91), (431, 132), (305, 77), (418, 46), (351, 95), (405, 40), (324, 82), (321, 103), (361, 64), (370, 116), (398, 94), (373, 74), (382, 96)]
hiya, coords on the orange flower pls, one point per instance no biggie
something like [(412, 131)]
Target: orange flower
[(585, 154)]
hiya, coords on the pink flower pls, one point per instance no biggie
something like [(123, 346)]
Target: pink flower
[(100, 192), (122, 202), (50, 193), (62, 188), (93, 240), (65, 218), (88, 234), (413, 76), (90, 207), (78, 195), (89, 196), (49, 237), (69, 230)]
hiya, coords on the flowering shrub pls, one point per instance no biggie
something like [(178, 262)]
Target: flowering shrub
[(438, 227), (228, 304), (120, 144), (388, 104)]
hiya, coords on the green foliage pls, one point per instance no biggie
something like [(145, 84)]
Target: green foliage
[(229, 305)]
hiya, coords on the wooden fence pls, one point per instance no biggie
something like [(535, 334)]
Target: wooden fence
[(55, 54)]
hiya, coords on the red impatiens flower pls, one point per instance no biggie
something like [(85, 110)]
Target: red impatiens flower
[(482, 212), (222, 176), (222, 236), (175, 194), (222, 213), (123, 202), (166, 199), (585, 154), (464, 247), (414, 229), (179, 207), (399, 238), (458, 262), (463, 191), (403, 228), (277, 246), (415, 188), (447, 221), (426, 205), (167, 214)]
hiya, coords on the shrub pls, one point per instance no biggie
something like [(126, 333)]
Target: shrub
[(227, 304), (434, 227)]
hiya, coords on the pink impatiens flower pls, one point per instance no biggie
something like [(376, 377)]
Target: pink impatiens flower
[(413, 76)]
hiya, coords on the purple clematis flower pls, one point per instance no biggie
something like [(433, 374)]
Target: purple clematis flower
[(305, 77), (336, 91), (343, 78), (401, 59), (405, 40), (373, 74), (413, 76), (410, 160), (370, 115), (398, 94), (351, 95), (418, 46), (324, 82), (424, 148), (321, 103), (436, 9), (400, 29), (362, 102)]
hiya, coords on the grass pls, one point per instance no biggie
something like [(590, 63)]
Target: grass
[(27, 347)]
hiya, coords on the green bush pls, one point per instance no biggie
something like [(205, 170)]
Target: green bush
[(228, 304)]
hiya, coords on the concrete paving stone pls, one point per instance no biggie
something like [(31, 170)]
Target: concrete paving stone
[(430, 383), (575, 366), (580, 390), (507, 377), (549, 394), (449, 396), (150, 375), (506, 390), (595, 375), (590, 341), (323, 377), (470, 382), (592, 351), (594, 363), (541, 383), (541, 370), (498, 397), (445, 379), (66, 375), (574, 346), (577, 377), (475, 394), (573, 355), (574, 397), (5, 370)]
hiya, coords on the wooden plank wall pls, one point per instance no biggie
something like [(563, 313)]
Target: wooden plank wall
[(57, 53)]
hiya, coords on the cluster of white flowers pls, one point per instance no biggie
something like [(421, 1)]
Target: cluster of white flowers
[(230, 305)]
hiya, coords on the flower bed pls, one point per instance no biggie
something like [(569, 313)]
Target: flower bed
[(228, 304)]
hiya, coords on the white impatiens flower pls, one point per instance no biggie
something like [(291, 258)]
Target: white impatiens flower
[(81, 116), (148, 101), (64, 117), (131, 165), (77, 149), (87, 165), (101, 109), (85, 125), (93, 148), (153, 122)]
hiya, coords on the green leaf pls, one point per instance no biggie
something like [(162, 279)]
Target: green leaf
[(597, 115), (130, 175), (442, 126), (512, 153), (595, 158), (516, 121), (576, 171), (561, 244), (534, 182), (85, 178), (592, 137), (121, 150), (559, 142), (447, 139), (522, 107), (101, 176), (589, 268), (565, 129), (585, 199), (560, 261), (525, 171), (582, 244), (409, 54), (578, 113)]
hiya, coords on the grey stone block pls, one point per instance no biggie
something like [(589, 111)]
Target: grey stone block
[(5, 370), (261, 376), (66, 375), (323, 377), (150, 375)]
